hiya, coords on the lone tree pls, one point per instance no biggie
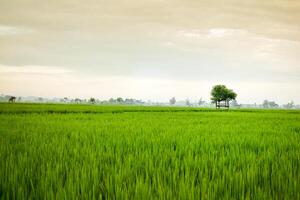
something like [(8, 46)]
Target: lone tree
[(220, 93)]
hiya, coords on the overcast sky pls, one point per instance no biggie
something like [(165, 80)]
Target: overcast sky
[(153, 49)]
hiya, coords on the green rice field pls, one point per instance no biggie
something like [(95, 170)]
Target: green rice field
[(50, 151)]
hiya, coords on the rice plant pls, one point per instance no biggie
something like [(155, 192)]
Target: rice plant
[(128, 152)]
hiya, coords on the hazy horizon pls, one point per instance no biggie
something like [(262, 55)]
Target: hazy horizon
[(151, 50)]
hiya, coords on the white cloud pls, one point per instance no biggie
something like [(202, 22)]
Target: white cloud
[(33, 69), (219, 33), (13, 30), (211, 33)]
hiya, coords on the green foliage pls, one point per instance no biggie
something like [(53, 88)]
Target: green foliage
[(120, 100), (222, 93), (92, 100), (130, 152)]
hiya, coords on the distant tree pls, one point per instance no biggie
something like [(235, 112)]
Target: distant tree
[(234, 103), (129, 101), (187, 102), (120, 100), (104, 102), (12, 99), (92, 100), (139, 102), (201, 102), (111, 100), (265, 104), (132, 101), (40, 99), (289, 105), (273, 104), (7, 97), (172, 101), (221, 93), (269, 104), (19, 99), (77, 100)]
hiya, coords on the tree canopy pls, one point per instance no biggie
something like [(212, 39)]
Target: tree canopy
[(92, 100), (222, 93)]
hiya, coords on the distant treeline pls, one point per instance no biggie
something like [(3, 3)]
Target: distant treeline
[(132, 101)]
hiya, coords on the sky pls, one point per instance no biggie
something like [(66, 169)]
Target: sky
[(150, 49)]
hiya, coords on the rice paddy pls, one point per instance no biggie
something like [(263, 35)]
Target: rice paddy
[(52, 151)]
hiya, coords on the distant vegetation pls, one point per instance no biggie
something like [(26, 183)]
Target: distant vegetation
[(270, 104), (172, 101), (130, 101)]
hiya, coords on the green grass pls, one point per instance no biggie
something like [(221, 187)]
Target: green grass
[(129, 152)]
